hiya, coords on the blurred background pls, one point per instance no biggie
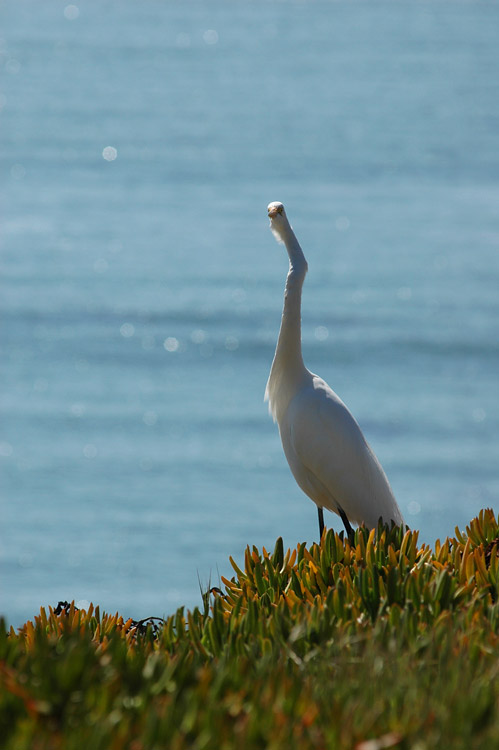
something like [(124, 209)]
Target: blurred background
[(142, 290)]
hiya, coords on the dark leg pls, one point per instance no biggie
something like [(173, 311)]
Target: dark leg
[(321, 521), (346, 524)]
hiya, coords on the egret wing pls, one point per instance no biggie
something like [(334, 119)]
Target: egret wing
[(332, 451)]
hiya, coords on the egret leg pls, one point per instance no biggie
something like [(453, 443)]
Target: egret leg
[(321, 521), (346, 524)]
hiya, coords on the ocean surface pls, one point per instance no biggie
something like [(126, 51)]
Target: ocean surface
[(141, 288)]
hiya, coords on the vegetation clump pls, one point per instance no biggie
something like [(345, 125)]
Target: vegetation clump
[(373, 644)]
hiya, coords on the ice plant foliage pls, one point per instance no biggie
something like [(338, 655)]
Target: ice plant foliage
[(377, 642)]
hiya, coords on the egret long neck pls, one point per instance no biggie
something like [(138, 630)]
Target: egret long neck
[(288, 371), (289, 342)]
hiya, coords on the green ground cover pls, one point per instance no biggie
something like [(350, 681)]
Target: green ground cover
[(376, 644)]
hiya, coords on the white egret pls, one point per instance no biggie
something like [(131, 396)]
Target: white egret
[(324, 446)]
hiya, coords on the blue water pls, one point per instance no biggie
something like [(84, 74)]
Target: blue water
[(141, 293)]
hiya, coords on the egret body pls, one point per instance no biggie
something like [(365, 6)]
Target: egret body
[(324, 446)]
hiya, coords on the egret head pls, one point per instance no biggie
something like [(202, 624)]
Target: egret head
[(275, 208), (278, 220)]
